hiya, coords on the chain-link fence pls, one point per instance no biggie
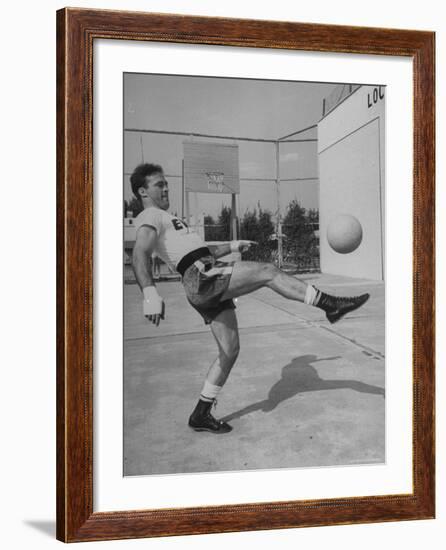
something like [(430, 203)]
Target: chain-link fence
[(299, 250)]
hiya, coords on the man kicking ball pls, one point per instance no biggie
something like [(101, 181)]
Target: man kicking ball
[(210, 284)]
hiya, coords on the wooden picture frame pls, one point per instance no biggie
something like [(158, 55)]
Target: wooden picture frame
[(77, 29)]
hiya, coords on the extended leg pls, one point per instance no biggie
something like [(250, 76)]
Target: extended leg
[(250, 276)]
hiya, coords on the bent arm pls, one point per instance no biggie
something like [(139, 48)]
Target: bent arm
[(219, 250)]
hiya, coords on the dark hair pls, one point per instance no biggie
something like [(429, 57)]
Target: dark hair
[(138, 178)]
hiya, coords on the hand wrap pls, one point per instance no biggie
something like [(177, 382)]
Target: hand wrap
[(152, 303)]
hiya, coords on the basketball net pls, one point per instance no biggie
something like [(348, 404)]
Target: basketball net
[(215, 181)]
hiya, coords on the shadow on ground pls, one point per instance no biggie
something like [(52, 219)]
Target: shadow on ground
[(300, 376)]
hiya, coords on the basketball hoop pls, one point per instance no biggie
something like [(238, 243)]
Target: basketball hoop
[(215, 181)]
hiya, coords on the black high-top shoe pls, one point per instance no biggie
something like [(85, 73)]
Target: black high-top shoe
[(201, 419), (336, 307)]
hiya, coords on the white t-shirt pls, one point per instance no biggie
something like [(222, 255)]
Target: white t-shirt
[(175, 239)]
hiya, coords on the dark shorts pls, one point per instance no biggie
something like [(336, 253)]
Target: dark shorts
[(205, 282)]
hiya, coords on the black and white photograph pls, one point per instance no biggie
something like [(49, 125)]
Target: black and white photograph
[(294, 139), (254, 274)]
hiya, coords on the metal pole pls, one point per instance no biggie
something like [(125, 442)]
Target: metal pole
[(298, 132), (195, 134), (186, 199), (233, 217), (279, 220), (182, 189), (187, 213), (142, 149)]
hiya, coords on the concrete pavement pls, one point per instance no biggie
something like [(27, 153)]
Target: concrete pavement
[(303, 393)]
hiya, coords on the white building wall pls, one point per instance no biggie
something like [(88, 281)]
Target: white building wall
[(352, 177)]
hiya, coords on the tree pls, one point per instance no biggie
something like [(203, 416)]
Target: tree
[(223, 231), (258, 227), (249, 226), (313, 217), (210, 229), (300, 242), (266, 225)]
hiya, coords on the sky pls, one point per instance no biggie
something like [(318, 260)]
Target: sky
[(259, 109)]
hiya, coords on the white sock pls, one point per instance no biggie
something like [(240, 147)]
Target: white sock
[(311, 296), (209, 392)]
